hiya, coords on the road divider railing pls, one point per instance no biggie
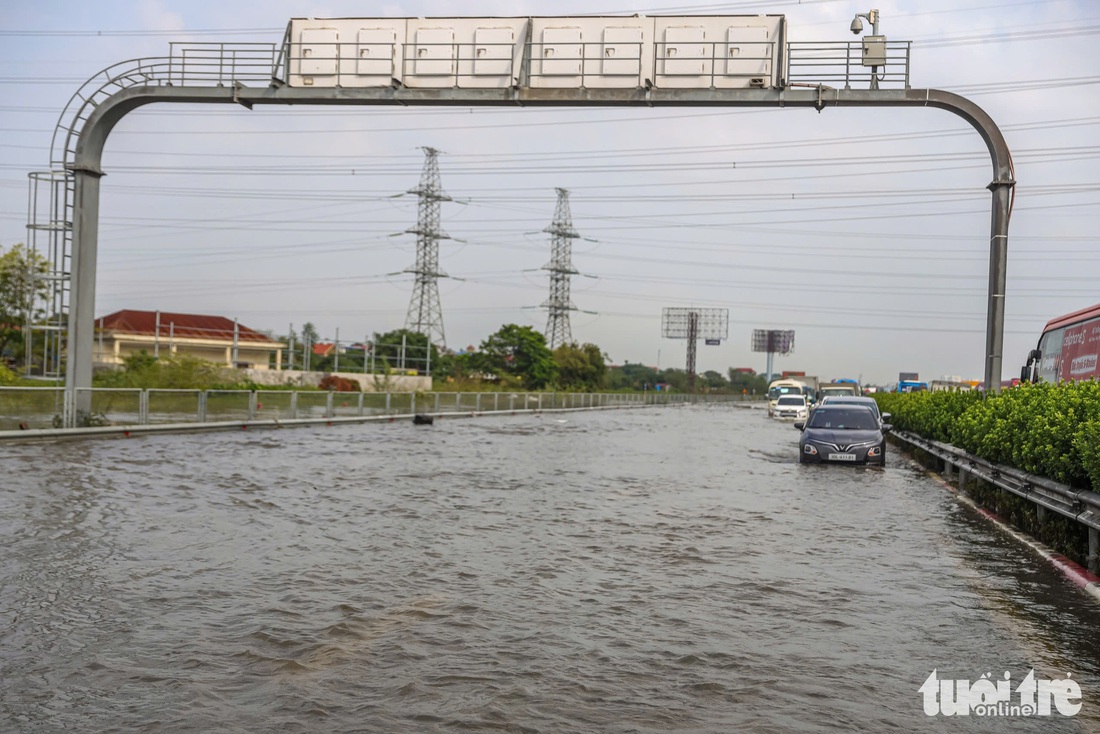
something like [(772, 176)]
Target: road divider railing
[(51, 411), (1079, 505)]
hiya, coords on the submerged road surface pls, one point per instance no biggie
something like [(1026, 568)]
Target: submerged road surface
[(658, 570)]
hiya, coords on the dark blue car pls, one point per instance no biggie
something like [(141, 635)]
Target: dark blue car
[(842, 434)]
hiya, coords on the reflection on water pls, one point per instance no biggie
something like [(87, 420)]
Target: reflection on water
[(647, 570)]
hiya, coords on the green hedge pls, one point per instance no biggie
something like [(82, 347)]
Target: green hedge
[(1049, 430)]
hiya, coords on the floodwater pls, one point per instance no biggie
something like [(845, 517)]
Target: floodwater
[(654, 570)]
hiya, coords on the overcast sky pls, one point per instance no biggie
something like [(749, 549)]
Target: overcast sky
[(865, 231)]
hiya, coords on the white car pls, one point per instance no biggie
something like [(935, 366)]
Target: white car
[(791, 408)]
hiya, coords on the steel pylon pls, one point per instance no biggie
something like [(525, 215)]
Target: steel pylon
[(425, 313), (561, 270)]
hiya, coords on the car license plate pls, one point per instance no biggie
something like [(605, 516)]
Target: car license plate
[(842, 457)]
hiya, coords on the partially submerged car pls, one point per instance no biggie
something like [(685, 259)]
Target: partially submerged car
[(842, 434), (792, 408)]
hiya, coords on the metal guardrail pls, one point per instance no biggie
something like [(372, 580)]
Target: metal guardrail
[(840, 64), (1079, 505), (42, 408), (191, 63), (31, 407)]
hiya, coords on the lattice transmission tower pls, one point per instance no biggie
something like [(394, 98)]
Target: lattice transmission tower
[(425, 313), (561, 270)]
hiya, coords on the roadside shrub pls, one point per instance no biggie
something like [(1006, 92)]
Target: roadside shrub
[(930, 414), (178, 372), (1087, 444), (1044, 429), (7, 377)]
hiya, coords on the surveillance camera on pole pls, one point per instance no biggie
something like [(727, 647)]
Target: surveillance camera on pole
[(874, 45), (872, 17)]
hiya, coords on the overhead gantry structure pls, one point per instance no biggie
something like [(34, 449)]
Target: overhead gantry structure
[(635, 61)]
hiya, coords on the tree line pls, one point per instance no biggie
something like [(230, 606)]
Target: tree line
[(518, 357), (512, 357)]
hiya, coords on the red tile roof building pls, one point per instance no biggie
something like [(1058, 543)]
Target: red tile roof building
[(213, 338)]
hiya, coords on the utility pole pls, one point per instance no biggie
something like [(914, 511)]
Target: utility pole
[(290, 351), (236, 342), (561, 269), (693, 343), (425, 314)]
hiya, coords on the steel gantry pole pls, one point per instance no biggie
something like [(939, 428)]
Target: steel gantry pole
[(998, 278)]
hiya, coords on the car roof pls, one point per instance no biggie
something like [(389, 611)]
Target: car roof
[(849, 400), (838, 406), (849, 409)]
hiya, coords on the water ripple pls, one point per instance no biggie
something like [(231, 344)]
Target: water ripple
[(628, 571)]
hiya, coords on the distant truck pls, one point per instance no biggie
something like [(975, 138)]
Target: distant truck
[(951, 385), (810, 383), (839, 386), (813, 385)]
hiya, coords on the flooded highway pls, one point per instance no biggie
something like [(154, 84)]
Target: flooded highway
[(655, 570)]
